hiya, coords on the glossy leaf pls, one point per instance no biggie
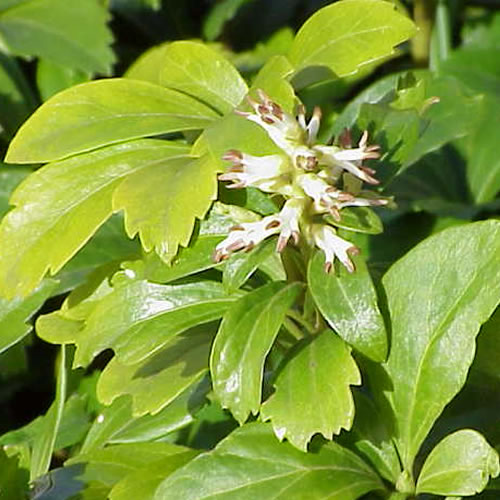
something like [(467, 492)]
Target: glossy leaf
[(195, 69), (461, 464), (75, 36), (161, 204), (349, 304), (344, 36), (143, 482), (14, 314), (175, 416), (43, 446), (251, 463), (157, 380), (113, 463), (246, 335), (139, 318), (95, 114), (313, 392), (438, 296), (66, 202)]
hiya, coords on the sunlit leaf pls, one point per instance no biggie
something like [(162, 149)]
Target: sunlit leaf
[(138, 318), (313, 392), (161, 204), (461, 464), (66, 202), (158, 379), (349, 303), (344, 36), (195, 69), (15, 313), (243, 341), (251, 463), (438, 296), (95, 114)]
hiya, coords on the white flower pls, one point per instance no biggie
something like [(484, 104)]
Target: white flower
[(333, 246), (246, 236), (289, 216), (281, 127), (350, 159), (326, 197), (263, 172)]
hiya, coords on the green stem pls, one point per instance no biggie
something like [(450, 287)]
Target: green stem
[(301, 320), (423, 15), (293, 329)]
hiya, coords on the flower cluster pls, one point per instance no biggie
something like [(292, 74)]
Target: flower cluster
[(313, 179)]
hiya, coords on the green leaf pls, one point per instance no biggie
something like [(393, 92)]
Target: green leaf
[(113, 463), (43, 446), (438, 295), (483, 166), (371, 437), (349, 304), (149, 65), (103, 253), (161, 204), (14, 314), (220, 14), (195, 69), (10, 178), (241, 266), (198, 256), (477, 68), (66, 202), (454, 116), (175, 416), (346, 35), (313, 392), (251, 464), (143, 482), (95, 114), (396, 131), (461, 464), (359, 219), (16, 97), (13, 479), (75, 36), (243, 341), (52, 78), (139, 318), (158, 379)]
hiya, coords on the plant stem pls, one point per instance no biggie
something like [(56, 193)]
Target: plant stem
[(423, 15), (301, 320)]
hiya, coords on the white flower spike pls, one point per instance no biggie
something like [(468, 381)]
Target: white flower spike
[(312, 179)]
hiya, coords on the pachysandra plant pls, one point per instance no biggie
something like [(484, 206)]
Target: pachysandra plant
[(248, 293)]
